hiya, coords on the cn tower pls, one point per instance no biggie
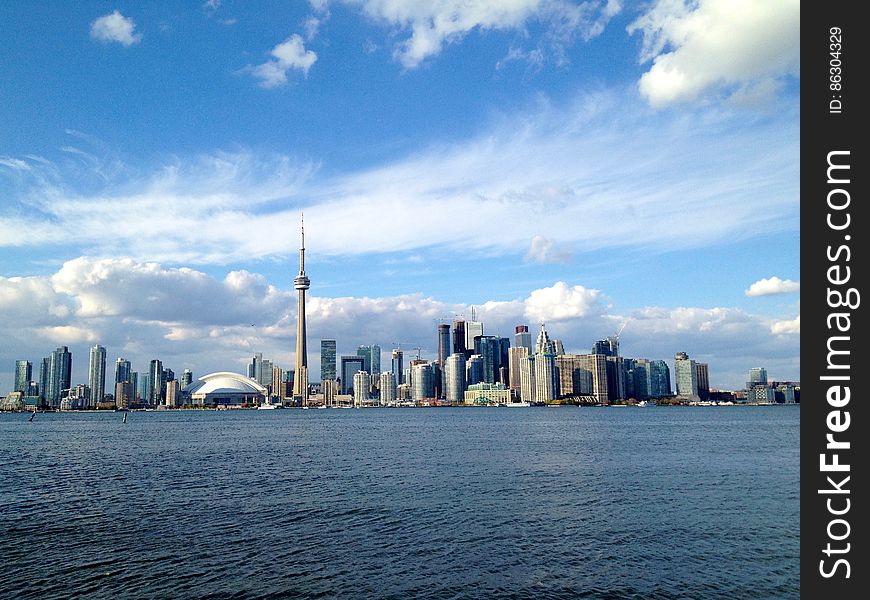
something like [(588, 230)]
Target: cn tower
[(301, 283)]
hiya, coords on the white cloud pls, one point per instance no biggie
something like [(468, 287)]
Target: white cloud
[(432, 25), (740, 48), (786, 327), (773, 285), (583, 178), (190, 319), (115, 27), (544, 251), (16, 164), (289, 54)]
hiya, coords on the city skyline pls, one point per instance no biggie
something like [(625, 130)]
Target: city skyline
[(529, 162)]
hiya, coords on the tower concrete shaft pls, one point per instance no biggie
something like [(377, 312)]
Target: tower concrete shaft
[(301, 283)]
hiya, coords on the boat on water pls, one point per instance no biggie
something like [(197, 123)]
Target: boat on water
[(268, 406), (517, 404), (644, 403)]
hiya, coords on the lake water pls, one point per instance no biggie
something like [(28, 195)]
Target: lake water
[(402, 503)]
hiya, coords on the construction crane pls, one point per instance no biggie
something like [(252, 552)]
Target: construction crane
[(398, 346)]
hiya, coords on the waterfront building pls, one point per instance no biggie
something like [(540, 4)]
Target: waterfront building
[(362, 381), (396, 364), (144, 388), (660, 379), (515, 356), (702, 374), (327, 359), (123, 370), (59, 373), (225, 389), (186, 378), (487, 394), (156, 383), (546, 377), (523, 339), (23, 374), (583, 375), (527, 379), (421, 381), (330, 390), (301, 283), (488, 347), (276, 390), (403, 392), (686, 376), (97, 374), (454, 377), (615, 378), (387, 388), (761, 393), (125, 394), (44, 377), (172, 389), (349, 366), (443, 343), (757, 375)]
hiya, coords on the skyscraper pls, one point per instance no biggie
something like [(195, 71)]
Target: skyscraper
[(397, 367), (349, 366), (301, 283), (458, 336), (123, 370), (327, 360), (454, 378), (422, 387), (387, 388), (702, 372), (156, 383), (686, 375), (186, 378), (23, 373), (473, 329), (97, 374), (362, 381), (659, 378), (522, 338), (60, 370)]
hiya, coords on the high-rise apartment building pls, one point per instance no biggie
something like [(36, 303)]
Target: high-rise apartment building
[(156, 383), (60, 371), (687, 376), (23, 374), (583, 375), (473, 329), (702, 374), (362, 382), (454, 378), (327, 360), (660, 379), (123, 370), (422, 385), (97, 374), (757, 375), (387, 388), (186, 378)]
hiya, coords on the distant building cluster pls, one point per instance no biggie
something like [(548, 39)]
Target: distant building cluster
[(471, 368)]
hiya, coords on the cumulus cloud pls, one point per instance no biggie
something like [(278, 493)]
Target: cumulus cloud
[(773, 285), (786, 327), (289, 54), (190, 319), (115, 27), (432, 25), (739, 48)]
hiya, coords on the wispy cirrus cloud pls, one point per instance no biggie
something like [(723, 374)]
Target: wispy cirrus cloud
[(585, 180)]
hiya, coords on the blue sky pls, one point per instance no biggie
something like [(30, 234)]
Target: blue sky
[(585, 164)]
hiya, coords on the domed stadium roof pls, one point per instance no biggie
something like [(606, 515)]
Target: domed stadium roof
[(224, 382)]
